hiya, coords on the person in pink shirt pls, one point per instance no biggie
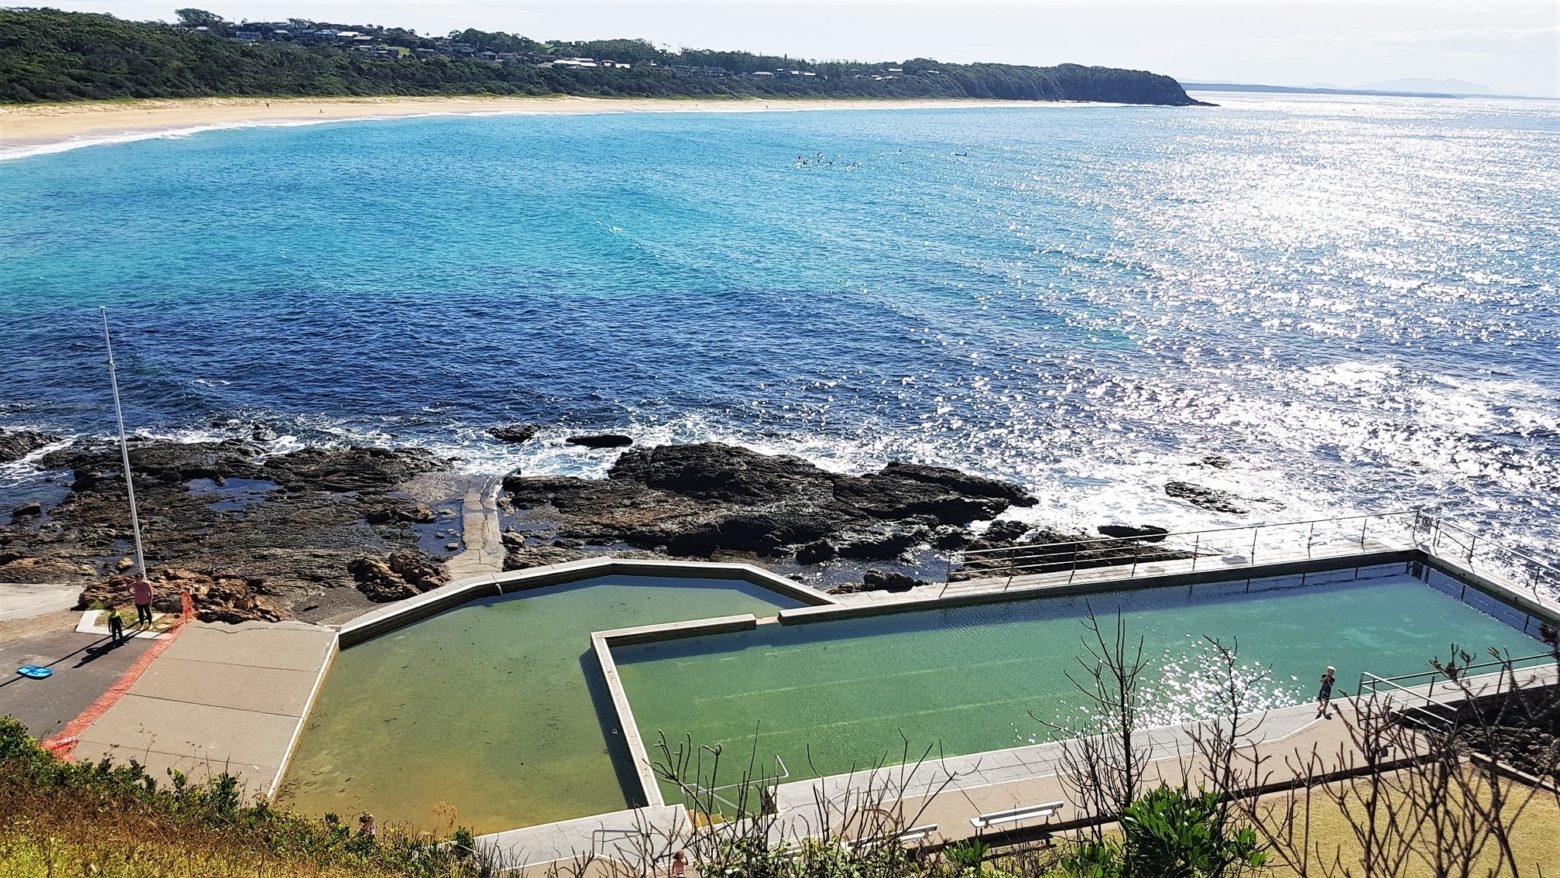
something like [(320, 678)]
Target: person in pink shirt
[(141, 591)]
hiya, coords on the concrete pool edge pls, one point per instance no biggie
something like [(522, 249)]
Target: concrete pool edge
[(445, 597)]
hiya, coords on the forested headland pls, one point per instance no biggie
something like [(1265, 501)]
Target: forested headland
[(49, 55)]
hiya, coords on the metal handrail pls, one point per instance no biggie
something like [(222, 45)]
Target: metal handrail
[(1441, 710), (780, 776), (1068, 544), (1424, 530), (1464, 671), (1441, 526), (1095, 552)]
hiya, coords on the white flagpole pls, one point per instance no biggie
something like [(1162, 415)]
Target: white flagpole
[(124, 448)]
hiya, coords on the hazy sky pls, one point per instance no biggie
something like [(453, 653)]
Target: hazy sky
[(1509, 45)]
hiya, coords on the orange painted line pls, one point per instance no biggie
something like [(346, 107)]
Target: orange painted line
[(63, 743)]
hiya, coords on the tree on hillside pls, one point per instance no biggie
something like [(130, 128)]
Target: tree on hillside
[(197, 18)]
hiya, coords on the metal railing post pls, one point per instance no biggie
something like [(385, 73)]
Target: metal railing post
[(1310, 535), (1471, 543), (1254, 532), (1196, 541), (1363, 525), (1137, 549), (1074, 571)]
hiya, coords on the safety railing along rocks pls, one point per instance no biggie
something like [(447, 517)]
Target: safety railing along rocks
[(1248, 545)]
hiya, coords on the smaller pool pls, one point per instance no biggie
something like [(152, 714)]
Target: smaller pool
[(496, 708), (835, 696)]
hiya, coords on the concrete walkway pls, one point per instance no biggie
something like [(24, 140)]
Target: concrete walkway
[(24, 600), (623, 836), (480, 532), (222, 698)]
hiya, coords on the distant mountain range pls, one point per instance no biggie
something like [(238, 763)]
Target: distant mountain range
[(1412, 88), (1430, 86)]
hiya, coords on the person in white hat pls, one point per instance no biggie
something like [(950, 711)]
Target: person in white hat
[(1324, 697)]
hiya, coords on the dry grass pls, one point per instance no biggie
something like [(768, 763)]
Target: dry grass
[(34, 850), (1534, 839)]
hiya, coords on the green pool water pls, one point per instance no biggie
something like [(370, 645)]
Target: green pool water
[(830, 697), (491, 707)]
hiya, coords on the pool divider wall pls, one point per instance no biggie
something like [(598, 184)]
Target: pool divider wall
[(603, 641), (445, 597)]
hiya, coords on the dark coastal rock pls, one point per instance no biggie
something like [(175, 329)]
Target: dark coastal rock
[(816, 552), (724, 474), (30, 509), (515, 433), (287, 542), (1211, 499), (1044, 550), (875, 580), (17, 444), (1148, 533), (520, 555), (880, 544), (343, 470), (403, 574), (418, 514), (524, 557), (1217, 461), (699, 500), (601, 440), (1005, 532)]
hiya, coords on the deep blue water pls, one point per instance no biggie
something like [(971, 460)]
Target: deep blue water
[(1354, 298)]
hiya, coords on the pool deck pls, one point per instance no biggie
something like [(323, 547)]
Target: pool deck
[(221, 698)]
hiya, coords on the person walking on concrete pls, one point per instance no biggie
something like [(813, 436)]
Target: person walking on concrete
[(116, 625), (1324, 697), (142, 592)]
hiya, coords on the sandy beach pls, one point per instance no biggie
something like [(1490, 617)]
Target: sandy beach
[(38, 127)]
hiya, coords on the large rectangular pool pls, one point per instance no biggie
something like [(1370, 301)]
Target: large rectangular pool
[(834, 696)]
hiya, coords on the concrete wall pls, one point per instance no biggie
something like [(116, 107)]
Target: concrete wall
[(402, 613)]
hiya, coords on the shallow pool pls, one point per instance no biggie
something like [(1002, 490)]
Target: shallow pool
[(486, 715), (830, 697)]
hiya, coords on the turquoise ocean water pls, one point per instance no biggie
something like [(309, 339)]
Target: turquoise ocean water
[(1354, 298)]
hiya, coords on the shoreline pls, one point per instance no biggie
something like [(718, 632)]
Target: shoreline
[(34, 129)]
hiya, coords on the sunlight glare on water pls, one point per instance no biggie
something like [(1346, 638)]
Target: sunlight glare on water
[(1353, 298)]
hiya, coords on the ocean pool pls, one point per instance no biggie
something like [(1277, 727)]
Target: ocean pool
[(496, 709), (834, 696)]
